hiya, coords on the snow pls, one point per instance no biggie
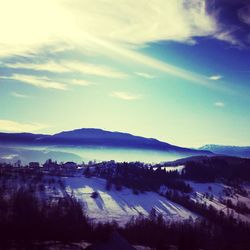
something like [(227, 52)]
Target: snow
[(121, 205), (173, 168), (209, 193), (170, 168), (204, 191), (210, 187)]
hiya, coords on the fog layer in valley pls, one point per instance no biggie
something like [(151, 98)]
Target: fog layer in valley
[(79, 154)]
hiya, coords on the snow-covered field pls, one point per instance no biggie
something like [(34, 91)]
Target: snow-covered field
[(121, 205)]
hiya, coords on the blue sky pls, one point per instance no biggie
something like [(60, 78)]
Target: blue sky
[(174, 70)]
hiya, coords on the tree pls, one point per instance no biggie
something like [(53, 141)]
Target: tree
[(108, 185), (94, 195)]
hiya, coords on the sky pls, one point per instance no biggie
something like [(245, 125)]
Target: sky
[(176, 70)]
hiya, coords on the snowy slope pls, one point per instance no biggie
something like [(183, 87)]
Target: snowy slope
[(214, 193), (204, 191), (121, 205)]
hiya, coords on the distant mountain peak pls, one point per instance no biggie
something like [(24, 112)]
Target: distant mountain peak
[(101, 132), (239, 151)]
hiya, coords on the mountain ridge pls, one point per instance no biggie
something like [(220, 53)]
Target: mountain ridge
[(96, 137), (239, 151)]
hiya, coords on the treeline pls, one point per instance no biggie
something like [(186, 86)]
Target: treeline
[(24, 217), (239, 207), (140, 178), (218, 168), (188, 235)]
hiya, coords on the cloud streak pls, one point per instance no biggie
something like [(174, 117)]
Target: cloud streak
[(44, 82), (215, 77), (80, 82), (219, 104), (67, 66), (125, 96), (13, 126), (145, 75), (19, 95), (37, 81)]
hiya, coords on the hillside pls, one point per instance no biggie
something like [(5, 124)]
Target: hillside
[(121, 205)]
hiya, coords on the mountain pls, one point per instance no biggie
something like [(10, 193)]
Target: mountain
[(96, 138), (19, 138), (26, 155), (228, 150)]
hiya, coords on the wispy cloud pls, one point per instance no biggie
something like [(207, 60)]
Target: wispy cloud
[(19, 95), (145, 75), (43, 82), (9, 157), (125, 96), (80, 82), (219, 104), (13, 126), (232, 18), (37, 81), (49, 66), (227, 36), (67, 66), (215, 77), (244, 14)]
